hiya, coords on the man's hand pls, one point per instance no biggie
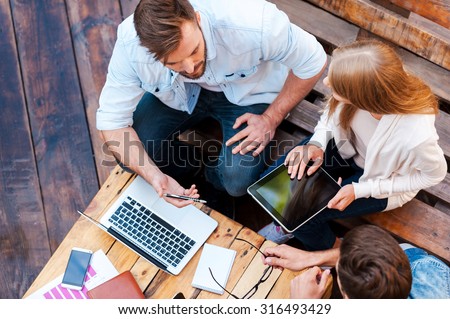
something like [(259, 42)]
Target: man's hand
[(343, 198), (163, 183), (310, 284), (284, 256), (255, 137), (299, 156)]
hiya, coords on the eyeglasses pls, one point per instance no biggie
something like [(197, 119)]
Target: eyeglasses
[(265, 275)]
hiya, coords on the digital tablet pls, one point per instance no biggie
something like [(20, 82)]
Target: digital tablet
[(292, 202)]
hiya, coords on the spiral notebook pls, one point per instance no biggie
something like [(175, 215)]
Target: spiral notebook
[(220, 261)]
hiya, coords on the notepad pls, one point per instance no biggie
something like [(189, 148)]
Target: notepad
[(220, 260)]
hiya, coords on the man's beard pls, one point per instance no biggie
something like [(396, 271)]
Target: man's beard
[(201, 70)]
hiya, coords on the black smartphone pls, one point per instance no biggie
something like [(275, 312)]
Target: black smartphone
[(76, 268)]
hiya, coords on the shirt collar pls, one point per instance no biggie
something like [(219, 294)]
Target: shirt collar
[(208, 36)]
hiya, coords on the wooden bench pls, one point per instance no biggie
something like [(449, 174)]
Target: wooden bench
[(419, 31)]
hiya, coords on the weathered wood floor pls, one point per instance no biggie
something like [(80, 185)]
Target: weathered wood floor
[(54, 56)]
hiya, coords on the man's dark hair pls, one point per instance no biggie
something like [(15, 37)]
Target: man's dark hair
[(158, 24), (372, 265)]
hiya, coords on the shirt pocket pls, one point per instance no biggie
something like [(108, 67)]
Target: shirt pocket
[(241, 75), (164, 92)]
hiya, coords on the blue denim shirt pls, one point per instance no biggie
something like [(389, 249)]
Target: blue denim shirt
[(431, 276), (251, 46)]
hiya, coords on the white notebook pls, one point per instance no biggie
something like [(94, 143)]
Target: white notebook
[(220, 260)]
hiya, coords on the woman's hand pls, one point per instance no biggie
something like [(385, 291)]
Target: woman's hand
[(298, 158), (344, 197)]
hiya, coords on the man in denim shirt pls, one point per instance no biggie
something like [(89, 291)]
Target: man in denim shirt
[(370, 264), (177, 62)]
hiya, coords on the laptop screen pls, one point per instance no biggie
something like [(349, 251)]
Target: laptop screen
[(292, 202)]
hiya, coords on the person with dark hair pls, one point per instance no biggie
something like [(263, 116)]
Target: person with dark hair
[(370, 264), (177, 62)]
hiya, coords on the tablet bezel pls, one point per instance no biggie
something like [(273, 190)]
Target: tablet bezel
[(276, 215)]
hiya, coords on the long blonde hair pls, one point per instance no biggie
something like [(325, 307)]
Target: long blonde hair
[(370, 75)]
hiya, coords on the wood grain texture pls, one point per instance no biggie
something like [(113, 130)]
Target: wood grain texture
[(93, 25), (252, 275), (436, 76), (307, 16), (23, 237), (390, 26), (144, 272), (434, 10), (63, 150)]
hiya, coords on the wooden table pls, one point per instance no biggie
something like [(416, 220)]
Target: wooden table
[(246, 271)]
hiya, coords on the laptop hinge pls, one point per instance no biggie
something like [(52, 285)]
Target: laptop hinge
[(138, 250)]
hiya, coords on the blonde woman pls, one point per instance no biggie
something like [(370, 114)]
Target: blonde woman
[(377, 133)]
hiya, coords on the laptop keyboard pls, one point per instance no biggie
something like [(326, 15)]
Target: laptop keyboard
[(149, 231)]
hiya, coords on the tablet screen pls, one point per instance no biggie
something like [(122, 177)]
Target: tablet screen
[(293, 202)]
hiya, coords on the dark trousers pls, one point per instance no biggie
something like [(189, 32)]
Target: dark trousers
[(157, 126)]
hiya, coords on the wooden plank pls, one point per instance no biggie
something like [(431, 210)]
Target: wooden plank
[(253, 273), (434, 10), (128, 7), (390, 6), (390, 26), (298, 11), (223, 236), (307, 17), (24, 240), (435, 76), (93, 26), (441, 190), (144, 272), (412, 223), (443, 207), (305, 115), (426, 24), (67, 174)]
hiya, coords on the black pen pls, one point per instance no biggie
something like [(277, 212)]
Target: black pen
[(185, 198)]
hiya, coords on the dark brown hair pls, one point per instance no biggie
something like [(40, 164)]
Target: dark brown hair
[(158, 24), (370, 74), (372, 265)]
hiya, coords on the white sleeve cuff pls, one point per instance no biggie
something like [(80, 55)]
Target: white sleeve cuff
[(363, 189)]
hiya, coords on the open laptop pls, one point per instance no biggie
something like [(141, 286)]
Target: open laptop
[(292, 202), (163, 234)]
